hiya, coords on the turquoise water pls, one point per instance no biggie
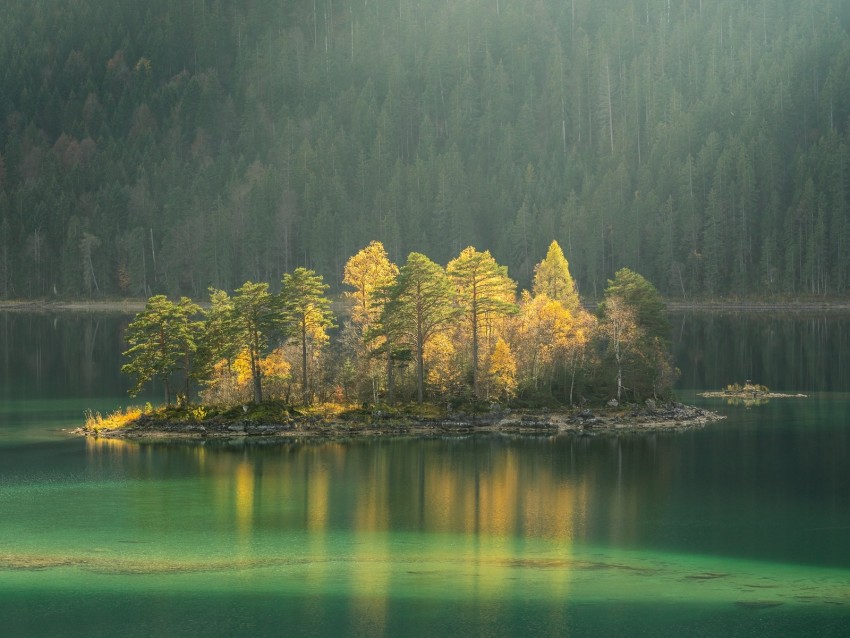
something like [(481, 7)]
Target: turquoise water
[(738, 529)]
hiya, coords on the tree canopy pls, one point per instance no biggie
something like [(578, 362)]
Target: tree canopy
[(552, 278), (421, 332), (162, 339)]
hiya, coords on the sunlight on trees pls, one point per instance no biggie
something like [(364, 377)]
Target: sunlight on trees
[(483, 290), (552, 278), (371, 274), (456, 335), (162, 340), (306, 315)]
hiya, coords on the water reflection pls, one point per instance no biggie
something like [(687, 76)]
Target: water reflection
[(372, 487), (785, 351)]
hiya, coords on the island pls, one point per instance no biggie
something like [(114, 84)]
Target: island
[(163, 424), (418, 349), (749, 392)]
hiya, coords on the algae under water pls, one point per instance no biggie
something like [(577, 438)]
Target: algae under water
[(739, 528)]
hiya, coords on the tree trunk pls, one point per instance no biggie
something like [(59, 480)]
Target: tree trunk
[(475, 388), (390, 379), (619, 373), (255, 372), (420, 362), (187, 374), (304, 389)]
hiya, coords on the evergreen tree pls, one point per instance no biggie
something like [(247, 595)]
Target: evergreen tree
[(421, 304), (255, 318), (306, 314), (162, 339), (631, 318), (643, 298), (483, 290)]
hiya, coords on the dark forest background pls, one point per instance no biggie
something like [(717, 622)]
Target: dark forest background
[(165, 146)]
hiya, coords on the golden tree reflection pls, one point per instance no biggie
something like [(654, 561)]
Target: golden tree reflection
[(377, 517)]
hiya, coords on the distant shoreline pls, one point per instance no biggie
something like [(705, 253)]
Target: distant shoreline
[(127, 306), (131, 306)]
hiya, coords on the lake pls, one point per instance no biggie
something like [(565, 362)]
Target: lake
[(740, 528)]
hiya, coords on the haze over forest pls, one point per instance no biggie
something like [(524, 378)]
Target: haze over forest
[(165, 147)]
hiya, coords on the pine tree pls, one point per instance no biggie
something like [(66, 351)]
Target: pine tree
[(255, 318), (162, 339), (421, 304), (306, 314), (483, 289)]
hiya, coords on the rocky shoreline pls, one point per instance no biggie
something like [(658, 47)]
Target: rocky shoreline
[(669, 417)]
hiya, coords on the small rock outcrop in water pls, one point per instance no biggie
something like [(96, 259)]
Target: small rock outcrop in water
[(749, 392)]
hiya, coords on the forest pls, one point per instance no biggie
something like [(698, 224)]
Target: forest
[(163, 147), (455, 335)]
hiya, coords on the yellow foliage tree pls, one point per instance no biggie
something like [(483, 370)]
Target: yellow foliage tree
[(544, 332), (445, 375), (501, 371), (370, 273), (552, 278), (231, 382), (484, 291)]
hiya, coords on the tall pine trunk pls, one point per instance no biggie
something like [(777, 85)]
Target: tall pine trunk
[(304, 389)]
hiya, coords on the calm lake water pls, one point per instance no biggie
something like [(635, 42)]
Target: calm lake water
[(742, 528)]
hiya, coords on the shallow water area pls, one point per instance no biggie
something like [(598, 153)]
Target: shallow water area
[(736, 529)]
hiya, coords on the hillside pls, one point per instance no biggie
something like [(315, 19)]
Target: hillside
[(156, 146)]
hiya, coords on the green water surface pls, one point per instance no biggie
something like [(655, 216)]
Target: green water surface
[(740, 529)]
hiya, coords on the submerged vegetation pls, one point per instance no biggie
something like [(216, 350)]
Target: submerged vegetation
[(458, 336)]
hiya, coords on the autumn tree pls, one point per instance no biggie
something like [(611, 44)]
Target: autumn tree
[(306, 314), (370, 273), (502, 371), (483, 290), (622, 333), (552, 278), (543, 334), (421, 304), (162, 339)]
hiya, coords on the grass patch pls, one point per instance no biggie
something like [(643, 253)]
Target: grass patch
[(121, 418)]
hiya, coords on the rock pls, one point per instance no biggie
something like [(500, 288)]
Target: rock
[(585, 414), (613, 403), (650, 405)]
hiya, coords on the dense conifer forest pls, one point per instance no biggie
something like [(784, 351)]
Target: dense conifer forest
[(165, 147)]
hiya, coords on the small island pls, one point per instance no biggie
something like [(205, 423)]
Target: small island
[(421, 350), (749, 394), (274, 421)]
